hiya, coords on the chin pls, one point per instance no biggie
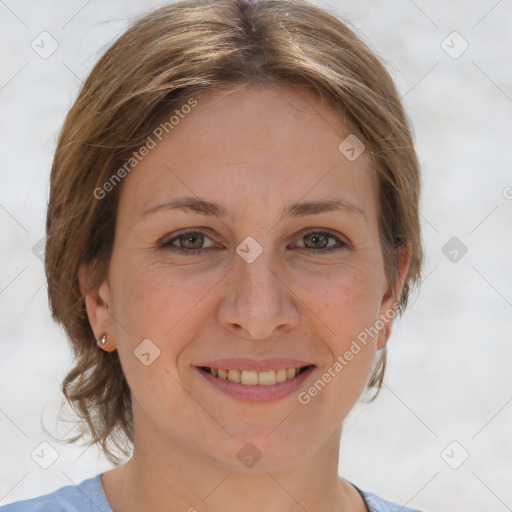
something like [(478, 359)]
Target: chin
[(255, 447)]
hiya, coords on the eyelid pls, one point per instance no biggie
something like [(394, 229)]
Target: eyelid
[(342, 242), (339, 236), (167, 239)]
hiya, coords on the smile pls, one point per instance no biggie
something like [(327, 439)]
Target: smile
[(253, 378), (255, 381)]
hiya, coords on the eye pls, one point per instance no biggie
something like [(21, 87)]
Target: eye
[(319, 241), (191, 243)]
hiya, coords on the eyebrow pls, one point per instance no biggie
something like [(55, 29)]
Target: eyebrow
[(211, 209)]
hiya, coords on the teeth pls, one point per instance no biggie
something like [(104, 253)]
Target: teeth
[(252, 378), (267, 378), (234, 375), (281, 375), (247, 377)]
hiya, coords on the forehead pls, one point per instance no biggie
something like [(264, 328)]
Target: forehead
[(251, 147)]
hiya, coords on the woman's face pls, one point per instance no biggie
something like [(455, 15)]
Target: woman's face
[(273, 279)]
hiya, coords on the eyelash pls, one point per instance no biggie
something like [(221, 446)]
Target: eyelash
[(167, 245)]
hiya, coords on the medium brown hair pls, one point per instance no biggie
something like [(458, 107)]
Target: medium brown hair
[(163, 59)]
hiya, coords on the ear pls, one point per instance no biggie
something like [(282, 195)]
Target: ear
[(96, 303), (389, 306)]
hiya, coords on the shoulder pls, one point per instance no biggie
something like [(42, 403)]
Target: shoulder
[(377, 504), (88, 496)]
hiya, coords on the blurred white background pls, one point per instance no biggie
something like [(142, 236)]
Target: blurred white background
[(448, 378)]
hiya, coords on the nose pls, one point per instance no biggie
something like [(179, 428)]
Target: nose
[(259, 303)]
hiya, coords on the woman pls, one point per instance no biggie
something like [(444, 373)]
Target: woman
[(232, 228)]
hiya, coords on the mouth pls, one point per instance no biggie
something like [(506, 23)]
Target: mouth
[(253, 378), (252, 381)]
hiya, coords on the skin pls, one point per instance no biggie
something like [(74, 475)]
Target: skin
[(255, 151)]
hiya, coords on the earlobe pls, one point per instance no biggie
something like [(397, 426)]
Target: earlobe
[(390, 304), (105, 344), (96, 305), (384, 334)]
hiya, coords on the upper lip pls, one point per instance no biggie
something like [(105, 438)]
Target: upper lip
[(254, 365)]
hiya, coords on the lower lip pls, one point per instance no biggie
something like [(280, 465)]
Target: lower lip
[(258, 392)]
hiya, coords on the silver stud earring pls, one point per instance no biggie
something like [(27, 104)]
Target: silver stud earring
[(103, 339)]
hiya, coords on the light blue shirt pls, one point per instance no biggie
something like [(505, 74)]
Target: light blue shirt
[(88, 496)]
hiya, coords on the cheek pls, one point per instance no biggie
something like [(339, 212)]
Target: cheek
[(171, 307), (163, 303), (167, 307), (347, 298), (160, 303), (347, 306), (346, 303)]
